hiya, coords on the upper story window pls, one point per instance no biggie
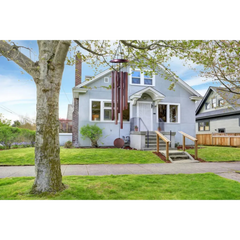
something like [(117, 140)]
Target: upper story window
[(214, 103), (141, 78), (136, 77), (207, 105), (220, 102)]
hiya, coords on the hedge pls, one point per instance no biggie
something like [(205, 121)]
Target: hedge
[(9, 135)]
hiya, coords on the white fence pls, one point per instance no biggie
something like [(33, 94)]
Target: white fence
[(64, 137)]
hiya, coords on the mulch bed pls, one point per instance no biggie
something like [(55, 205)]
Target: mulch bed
[(129, 148)]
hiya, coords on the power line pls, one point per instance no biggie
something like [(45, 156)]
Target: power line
[(12, 112), (66, 95)]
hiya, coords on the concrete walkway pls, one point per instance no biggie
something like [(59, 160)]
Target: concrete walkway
[(223, 169)]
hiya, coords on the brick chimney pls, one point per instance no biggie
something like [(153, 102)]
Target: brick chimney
[(75, 119), (78, 69)]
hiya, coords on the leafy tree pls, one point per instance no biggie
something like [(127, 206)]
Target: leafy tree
[(47, 74), (93, 132), (3, 121), (28, 135), (16, 123), (8, 135)]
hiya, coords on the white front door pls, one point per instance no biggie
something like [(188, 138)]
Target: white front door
[(144, 111)]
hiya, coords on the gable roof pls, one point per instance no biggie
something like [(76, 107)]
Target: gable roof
[(231, 98), (178, 80)]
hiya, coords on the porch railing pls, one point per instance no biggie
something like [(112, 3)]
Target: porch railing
[(167, 141), (137, 124), (185, 135)]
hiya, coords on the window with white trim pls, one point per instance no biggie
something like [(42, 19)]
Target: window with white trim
[(214, 103), (142, 78), (107, 111), (168, 112), (96, 111), (101, 110), (204, 126), (221, 102)]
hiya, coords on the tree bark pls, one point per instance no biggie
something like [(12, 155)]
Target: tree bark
[(47, 149), (47, 74)]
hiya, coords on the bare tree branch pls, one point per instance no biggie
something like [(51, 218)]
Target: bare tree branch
[(12, 53), (61, 52), (89, 50)]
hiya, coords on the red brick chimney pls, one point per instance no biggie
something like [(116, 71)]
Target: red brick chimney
[(78, 69), (75, 118)]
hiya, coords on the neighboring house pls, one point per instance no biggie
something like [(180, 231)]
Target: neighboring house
[(149, 99), (65, 126), (218, 112)]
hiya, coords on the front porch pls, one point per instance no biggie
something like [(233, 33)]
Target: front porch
[(147, 140)]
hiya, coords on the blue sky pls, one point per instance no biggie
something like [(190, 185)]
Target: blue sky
[(18, 91)]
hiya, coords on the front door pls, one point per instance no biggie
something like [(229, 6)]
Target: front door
[(144, 111)]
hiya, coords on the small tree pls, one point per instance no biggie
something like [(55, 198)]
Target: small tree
[(3, 121), (29, 135), (8, 135), (93, 132)]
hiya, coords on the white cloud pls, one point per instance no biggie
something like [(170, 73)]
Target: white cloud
[(12, 89), (195, 81), (202, 91)]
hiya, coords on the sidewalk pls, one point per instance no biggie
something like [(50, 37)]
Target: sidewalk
[(117, 169)]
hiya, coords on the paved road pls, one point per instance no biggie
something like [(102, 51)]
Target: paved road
[(223, 169)]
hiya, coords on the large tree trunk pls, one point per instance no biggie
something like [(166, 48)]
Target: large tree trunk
[(47, 149)]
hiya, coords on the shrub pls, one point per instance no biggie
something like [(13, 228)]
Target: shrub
[(93, 132), (8, 135), (68, 144)]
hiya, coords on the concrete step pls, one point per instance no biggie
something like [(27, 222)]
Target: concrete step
[(179, 157), (153, 140), (177, 153), (155, 145), (154, 149)]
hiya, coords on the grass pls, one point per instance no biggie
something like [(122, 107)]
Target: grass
[(217, 154), (207, 186), (25, 156)]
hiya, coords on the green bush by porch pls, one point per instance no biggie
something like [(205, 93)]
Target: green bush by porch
[(25, 156)]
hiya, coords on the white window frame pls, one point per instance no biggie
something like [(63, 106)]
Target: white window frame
[(168, 112), (102, 101), (141, 78), (215, 102), (106, 79)]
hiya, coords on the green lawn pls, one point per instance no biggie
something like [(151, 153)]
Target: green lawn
[(25, 156), (217, 154), (206, 186)]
